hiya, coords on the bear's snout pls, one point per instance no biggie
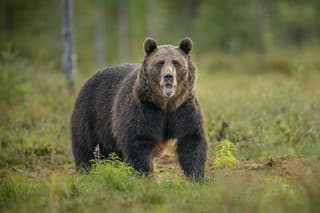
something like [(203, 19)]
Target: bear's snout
[(168, 78), (168, 83)]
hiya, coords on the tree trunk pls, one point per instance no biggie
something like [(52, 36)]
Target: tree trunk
[(8, 17), (123, 31), (150, 18), (100, 34), (261, 15), (69, 57), (192, 7)]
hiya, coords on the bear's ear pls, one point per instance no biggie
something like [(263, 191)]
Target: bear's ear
[(186, 45), (149, 45)]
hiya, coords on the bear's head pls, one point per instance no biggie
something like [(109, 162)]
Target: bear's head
[(168, 74)]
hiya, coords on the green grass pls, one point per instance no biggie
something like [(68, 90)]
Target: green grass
[(272, 117), (117, 189)]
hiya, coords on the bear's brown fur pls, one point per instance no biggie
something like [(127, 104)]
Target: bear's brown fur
[(133, 109)]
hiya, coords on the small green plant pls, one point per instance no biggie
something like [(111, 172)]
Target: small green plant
[(114, 173), (112, 161), (224, 154)]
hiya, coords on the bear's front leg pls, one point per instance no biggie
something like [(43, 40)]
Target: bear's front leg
[(138, 153), (192, 151)]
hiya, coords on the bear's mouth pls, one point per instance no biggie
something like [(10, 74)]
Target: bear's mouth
[(168, 90)]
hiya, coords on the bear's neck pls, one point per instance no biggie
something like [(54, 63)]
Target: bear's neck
[(151, 94)]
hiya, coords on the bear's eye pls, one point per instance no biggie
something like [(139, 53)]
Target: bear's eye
[(160, 63), (176, 63)]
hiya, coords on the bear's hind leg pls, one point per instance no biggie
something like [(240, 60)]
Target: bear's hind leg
[(82, 153)]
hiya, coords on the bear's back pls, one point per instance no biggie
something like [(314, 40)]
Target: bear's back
[(94, 102), (110, 81)]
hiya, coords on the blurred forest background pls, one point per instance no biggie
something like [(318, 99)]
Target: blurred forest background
[(33, 28), (258, 84)]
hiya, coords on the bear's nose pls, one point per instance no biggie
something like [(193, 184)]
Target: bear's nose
[(168, 78)]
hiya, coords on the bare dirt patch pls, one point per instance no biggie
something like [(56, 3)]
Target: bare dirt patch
[(285, 166)]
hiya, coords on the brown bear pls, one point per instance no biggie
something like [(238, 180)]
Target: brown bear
[(134, 109)]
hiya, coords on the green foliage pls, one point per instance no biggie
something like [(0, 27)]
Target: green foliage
[(14, 76), (270, 114), (13, 189), (224, 154), (95, 192), (33, 117), (215, 25), (114, 173)]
